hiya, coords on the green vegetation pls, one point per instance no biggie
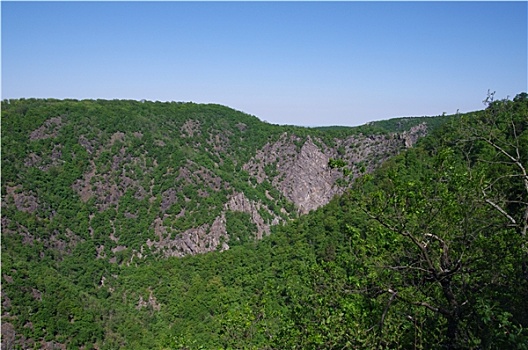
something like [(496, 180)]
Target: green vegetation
[(406, 123), (240, 228), (336, 163), (428, 252)]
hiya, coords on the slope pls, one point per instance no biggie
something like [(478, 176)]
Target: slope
[(98, 193)]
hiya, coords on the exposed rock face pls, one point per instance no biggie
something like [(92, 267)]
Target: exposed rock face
[(101, 182), (240, 203), (410, 137), (168, 198), (198, 240), (8, 336), (308, 182), (206, 238), (303, 175), (276, 154), (50, 128), (190, 128), (87, 144)]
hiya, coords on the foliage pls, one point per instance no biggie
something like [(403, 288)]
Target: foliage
[(336, 163), (427, 252)]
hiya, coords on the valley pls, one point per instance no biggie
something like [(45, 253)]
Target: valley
[(137, 224)]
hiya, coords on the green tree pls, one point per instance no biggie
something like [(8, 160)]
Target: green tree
[(457, 228)]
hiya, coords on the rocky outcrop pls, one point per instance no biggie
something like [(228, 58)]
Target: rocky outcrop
[(410, 137), (275, 154), (202, 239), (8, 335), (240, 203), (302, 174), (190, 128), (306, 179), (49, 129), (108, 183), (150, 302), (208, 237), (23, 200)]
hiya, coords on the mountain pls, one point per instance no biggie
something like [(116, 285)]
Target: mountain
[(144, 178), (315, 237)]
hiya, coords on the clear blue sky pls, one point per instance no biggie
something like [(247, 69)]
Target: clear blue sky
[(302, 63)]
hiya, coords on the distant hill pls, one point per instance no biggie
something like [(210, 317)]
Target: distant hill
[(165, 177)]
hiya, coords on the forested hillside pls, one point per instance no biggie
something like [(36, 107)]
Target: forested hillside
[(323, 238), (170, 178)]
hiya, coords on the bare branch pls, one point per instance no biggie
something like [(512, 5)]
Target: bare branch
[(382, 320), (503, 177), (437, 238), (440, 310), (423, 249), (516, 161), (500, 210), (417, 243), (427, 306), (406, 268), (525, 226)]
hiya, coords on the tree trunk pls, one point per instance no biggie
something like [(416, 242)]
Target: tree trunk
[(452, 316), (451, 341)]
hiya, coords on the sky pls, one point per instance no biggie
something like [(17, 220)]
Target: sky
[(297, 63)]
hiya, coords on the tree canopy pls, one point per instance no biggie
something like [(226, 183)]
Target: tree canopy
[(429, 251)]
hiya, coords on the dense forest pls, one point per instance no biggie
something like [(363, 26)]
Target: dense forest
[(410, 242)]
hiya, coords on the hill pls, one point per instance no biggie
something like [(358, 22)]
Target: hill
[(106, 203), (170, 178)]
